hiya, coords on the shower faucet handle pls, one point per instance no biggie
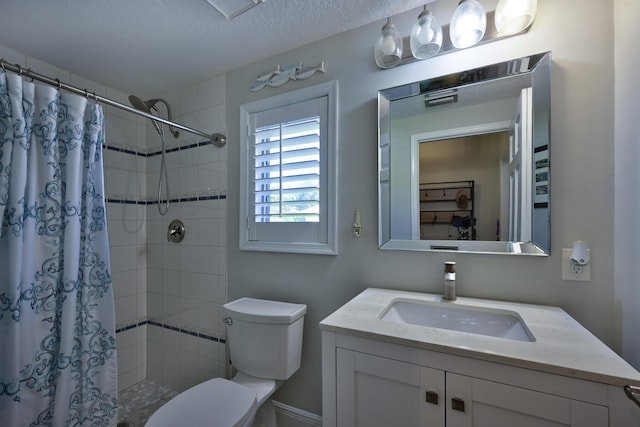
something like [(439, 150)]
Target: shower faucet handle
[(176, 231)]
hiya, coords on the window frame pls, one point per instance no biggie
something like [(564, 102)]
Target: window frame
[(326, 243)]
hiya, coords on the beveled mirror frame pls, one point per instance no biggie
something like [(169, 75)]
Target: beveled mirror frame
[(531, 71)]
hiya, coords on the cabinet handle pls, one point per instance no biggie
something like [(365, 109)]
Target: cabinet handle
[(457, 404), (432, 397)]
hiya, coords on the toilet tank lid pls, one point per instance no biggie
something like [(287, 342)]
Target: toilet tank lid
[(264, 311)]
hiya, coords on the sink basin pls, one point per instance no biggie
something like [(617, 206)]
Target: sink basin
[(457, 317)]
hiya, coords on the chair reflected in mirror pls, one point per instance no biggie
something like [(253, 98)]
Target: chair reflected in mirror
[(465, 226)]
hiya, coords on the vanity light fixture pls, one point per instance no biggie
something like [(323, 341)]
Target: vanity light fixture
[(468, 24), (388, 49), (426, 35), (513, 16)]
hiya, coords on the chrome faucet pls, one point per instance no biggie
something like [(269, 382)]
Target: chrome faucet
[(449, 281)]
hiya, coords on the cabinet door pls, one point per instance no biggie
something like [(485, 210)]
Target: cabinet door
[(375, 391), (477, 403)]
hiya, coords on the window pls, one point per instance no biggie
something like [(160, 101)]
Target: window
[(288, 172)]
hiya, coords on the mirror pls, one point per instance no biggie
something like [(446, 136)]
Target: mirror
[(463, 161)]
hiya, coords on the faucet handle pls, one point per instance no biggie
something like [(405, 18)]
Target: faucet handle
[(450, 267)]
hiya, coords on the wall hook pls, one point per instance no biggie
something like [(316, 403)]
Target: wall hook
[(357, 225)]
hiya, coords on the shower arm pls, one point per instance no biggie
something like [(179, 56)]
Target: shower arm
[(217, 139)]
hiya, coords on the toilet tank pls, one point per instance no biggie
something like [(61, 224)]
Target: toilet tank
[(265, 337)]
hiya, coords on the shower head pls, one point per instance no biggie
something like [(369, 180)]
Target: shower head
[(147, 106), (141, 105)]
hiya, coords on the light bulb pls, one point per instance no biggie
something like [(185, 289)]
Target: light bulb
[(513, 16), (426, 36), (468, 24), (388, 49), (426, 33), (388, 45)]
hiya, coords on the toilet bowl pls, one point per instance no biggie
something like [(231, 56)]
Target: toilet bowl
[(265, 345)]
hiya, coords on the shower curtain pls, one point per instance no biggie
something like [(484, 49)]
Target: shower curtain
[(57, 321)]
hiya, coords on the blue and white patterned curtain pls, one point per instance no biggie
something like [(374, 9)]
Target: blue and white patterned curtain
[(57, 321)]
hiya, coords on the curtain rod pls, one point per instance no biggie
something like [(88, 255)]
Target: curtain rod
[(217, 139)]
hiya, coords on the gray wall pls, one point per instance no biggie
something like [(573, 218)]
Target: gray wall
[(582, 153), (627, 181)]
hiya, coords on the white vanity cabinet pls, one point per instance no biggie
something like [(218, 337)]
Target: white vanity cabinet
[(380, 373), (378, 391)]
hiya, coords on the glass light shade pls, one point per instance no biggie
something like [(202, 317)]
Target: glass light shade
[(426, 36), (513, 16), (468, 24), (388, 49)]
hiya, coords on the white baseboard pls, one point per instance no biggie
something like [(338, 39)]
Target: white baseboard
[(288, 416)]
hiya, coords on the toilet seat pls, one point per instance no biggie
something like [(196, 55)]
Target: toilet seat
[(216, 402)]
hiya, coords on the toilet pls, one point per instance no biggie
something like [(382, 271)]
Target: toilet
[(265, 347)]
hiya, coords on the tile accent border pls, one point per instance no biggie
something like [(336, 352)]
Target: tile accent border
[(172, 328), (171, 148), (189, 197)]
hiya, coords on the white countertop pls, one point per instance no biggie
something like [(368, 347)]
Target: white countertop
[(562, 345)]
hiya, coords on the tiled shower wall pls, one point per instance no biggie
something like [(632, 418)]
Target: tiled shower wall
[(180, 287), (167, 297), (187, 281)]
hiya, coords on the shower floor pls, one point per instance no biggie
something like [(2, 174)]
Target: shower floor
[(136, 403)]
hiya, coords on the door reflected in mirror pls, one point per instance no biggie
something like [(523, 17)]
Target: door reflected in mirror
[(464, 161), (462, 183)]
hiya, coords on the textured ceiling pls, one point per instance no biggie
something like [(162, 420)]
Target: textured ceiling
[(144, 45)]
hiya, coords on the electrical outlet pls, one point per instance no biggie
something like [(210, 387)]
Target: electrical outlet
[(571, 271)]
